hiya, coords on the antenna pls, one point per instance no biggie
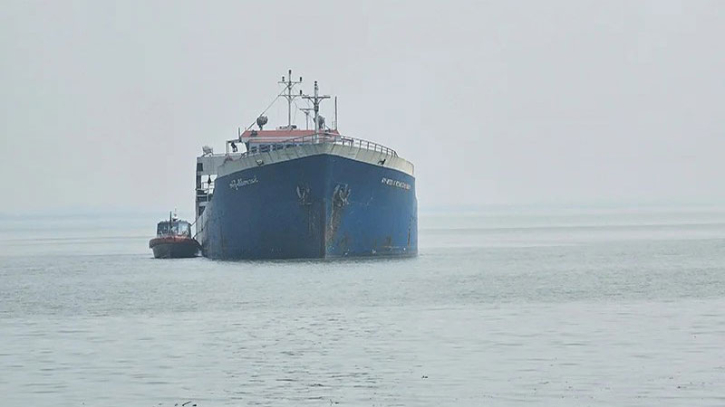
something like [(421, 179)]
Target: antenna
[(316, 99), (306, 111), (289, 84), (335, 113)]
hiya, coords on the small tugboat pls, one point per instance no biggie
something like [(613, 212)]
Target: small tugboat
[(173, 240)]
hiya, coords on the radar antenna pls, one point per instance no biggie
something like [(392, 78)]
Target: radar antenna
[(289, 84)]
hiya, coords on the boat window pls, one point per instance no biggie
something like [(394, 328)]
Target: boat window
[(178, 228), (200, 166), (163, 228), (182, 229)]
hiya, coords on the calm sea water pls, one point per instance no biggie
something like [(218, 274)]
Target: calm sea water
[(567, 307)]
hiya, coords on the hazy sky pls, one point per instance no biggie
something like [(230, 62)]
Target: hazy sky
[(107, 104)]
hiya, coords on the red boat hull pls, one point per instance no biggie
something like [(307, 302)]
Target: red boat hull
[(174, 247)]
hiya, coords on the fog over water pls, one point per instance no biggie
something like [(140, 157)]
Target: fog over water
[(507, 308), (104, 105)]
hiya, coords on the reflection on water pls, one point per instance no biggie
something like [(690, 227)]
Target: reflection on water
[(566, 308)]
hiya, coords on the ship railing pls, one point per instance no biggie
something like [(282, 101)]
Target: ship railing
[(328, 138)]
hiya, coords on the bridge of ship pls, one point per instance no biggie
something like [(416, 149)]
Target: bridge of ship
[(263, 141)]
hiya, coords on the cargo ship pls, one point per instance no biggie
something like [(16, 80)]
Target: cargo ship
[(290, 193)]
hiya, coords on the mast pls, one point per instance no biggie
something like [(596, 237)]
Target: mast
[(289, 84), (316, 99)]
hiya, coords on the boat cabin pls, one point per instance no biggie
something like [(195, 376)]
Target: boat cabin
[(173, 227)]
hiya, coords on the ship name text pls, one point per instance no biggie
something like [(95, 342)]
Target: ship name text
[(241, 182), (395, 183)]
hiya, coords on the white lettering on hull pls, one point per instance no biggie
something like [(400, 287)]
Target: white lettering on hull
[(241, 182), (395, 183)]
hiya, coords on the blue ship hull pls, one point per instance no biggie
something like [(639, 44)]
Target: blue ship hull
[(319, 206)]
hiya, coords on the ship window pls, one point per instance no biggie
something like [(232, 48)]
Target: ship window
[(200, 166)]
